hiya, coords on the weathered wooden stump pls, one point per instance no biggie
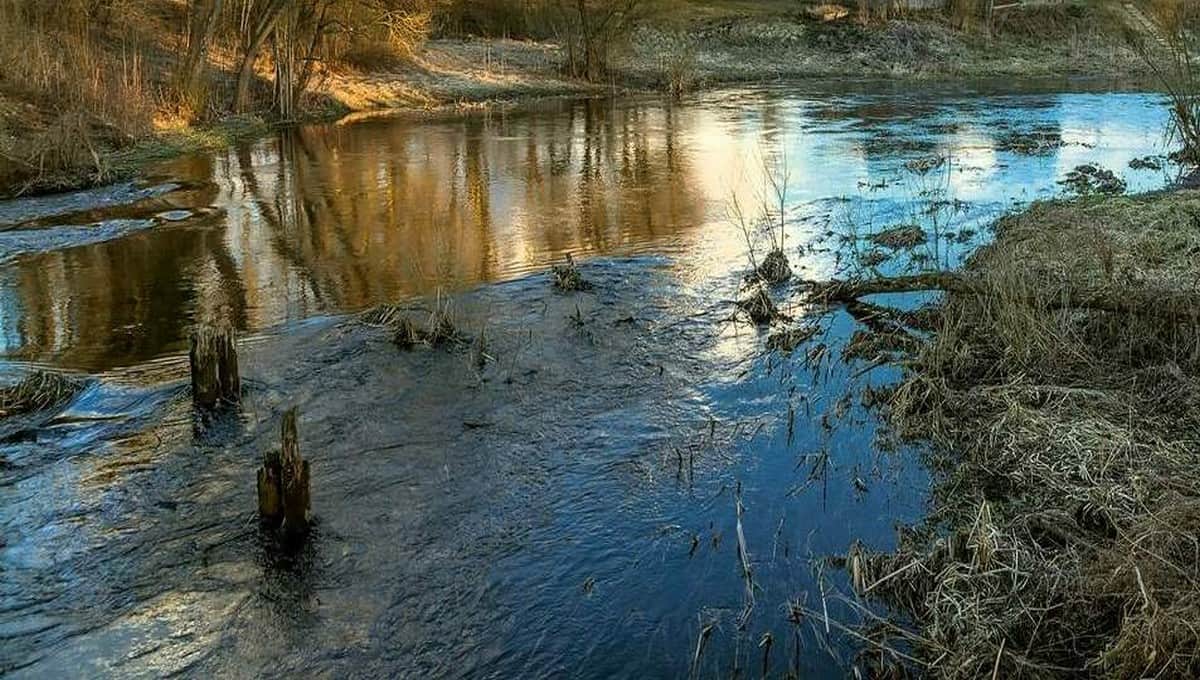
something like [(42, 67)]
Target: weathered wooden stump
[(214, 364), (283, 483)]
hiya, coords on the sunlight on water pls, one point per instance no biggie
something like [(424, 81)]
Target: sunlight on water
[(567, 510), (333, 218)]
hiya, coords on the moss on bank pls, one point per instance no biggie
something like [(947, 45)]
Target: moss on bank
[(1063, 537)]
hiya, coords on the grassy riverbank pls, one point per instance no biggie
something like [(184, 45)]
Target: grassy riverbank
[(1061, 392), (85, 110)]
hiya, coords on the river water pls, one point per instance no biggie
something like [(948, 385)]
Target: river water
[(570, 507)]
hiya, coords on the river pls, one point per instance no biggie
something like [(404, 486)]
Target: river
[(570, 507)]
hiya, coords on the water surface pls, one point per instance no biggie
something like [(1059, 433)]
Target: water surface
[(569, 508)]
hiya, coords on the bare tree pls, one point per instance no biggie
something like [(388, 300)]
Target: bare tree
[(590, 28), (201, 26)]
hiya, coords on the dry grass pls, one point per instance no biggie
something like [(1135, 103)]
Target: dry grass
[(567, 276), (1172, 60), (756, 302), (40, 391), (1067, 509), (439, 329), (88, 90)]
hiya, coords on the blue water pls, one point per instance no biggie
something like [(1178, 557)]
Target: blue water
[(570, 509)]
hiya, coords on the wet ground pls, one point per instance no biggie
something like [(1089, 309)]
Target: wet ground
[(570, 506)]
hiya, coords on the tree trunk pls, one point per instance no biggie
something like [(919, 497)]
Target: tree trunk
[(214, 368), (284, 497), (258, 37), (200, 31)]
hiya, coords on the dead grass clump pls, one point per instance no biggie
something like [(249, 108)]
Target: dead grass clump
[(440, 327), (900, 238), (567, 276), (875, 346), (1092, 179), (1031, 143), (439, 330), (678, 65), (758, 305), (407, 334), (83, 90), (788, 339), (774, 268), (1067, 497), (40, 391)]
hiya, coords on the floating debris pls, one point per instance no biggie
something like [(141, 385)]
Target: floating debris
[(876, 346), (568, 278), (788, 339), (873, 258), (1147, 163), (923, 166), (1033, 143), (900, 238), (1088, 179)]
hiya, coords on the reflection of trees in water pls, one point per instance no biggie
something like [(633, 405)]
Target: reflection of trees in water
[(341, 217), (121, 301), (378, 211)]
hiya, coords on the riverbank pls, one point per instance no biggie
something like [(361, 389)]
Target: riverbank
[(703, 46), (1060, 389)]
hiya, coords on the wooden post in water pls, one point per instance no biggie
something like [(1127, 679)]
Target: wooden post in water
[(283, 483), (214, 364)]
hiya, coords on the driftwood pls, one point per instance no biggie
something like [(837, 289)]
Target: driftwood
[(214, 367), (1174, 304), (284, 496)]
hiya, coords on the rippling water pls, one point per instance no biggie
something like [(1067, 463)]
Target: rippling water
[(570, 508)]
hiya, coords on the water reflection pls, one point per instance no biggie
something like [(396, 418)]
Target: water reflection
[(334, 218), (532, 520)]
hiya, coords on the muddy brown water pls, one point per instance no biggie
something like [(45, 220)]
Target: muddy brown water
[(568, 509)]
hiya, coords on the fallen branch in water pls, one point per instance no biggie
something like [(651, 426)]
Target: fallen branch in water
[(1114, 299)]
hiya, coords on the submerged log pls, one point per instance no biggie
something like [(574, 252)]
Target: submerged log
[(214, 368), (284, 499), (1144, 301)]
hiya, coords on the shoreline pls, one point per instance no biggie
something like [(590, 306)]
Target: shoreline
[(689, 54), (1057, 392), (132, 161)]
